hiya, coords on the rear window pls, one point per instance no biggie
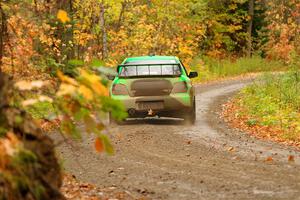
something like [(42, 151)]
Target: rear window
[(150, 70)]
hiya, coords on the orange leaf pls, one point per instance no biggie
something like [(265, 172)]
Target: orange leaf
[(99, 145), (269, 159), (291, 158)]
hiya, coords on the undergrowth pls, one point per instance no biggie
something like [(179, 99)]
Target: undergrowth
[(210, 68), (41, 110), (274, 101)]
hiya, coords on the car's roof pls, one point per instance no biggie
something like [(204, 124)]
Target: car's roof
[(172, 59)]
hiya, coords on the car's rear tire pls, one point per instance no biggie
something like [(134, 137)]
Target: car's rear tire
[(190, 116)]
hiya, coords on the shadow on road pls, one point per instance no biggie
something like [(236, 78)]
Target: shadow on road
[(158, 121)]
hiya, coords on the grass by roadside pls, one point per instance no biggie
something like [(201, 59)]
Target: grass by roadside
[(210, 69), (269, 108)]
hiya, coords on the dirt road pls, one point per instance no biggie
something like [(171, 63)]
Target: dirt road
[(162, 160)]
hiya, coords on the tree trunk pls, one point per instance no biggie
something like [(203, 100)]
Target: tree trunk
[(37, 168), (103, 26), (2, 34), (149, 3), (250, 28), (124, 5)]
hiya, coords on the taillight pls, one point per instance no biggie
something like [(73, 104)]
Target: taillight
[(119, 89), (180, 87)]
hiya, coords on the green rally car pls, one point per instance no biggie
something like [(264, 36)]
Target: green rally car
[(155, 86)]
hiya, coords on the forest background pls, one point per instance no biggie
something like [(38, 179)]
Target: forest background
[(51, 48), (112, 30)]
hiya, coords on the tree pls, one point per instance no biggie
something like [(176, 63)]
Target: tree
[(2, 34), (283, 29), (64, 42), (29, 168), (103, 25), (250, 27)]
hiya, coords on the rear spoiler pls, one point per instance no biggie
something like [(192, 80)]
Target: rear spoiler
[(143, 64)]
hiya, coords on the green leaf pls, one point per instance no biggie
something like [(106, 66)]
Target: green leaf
[(115, 107), (81, 114), (97, 63), (107, 145), (76, 63), (3, 131)]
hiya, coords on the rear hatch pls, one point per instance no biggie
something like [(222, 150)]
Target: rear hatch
[(150, 78), (150, 87)]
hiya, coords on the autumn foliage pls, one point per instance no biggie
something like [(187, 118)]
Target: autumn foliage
[(54, 52), (283, 29), (269, 109)]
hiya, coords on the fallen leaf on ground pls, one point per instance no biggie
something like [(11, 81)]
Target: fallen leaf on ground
[(291, 158), (231, 149), (76, 190), (269, 159)]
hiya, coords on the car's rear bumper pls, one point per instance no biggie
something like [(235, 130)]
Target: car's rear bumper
[(179, 102)]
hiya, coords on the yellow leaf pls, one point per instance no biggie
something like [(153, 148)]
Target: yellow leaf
[(24, 85), (37, 84), (90, 77), (29, 85), (231, 149), (95, 83), (43, 98), (63, 16), (100, 89), (29, 102), (86, 92), (65, 89), (66, 79)]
